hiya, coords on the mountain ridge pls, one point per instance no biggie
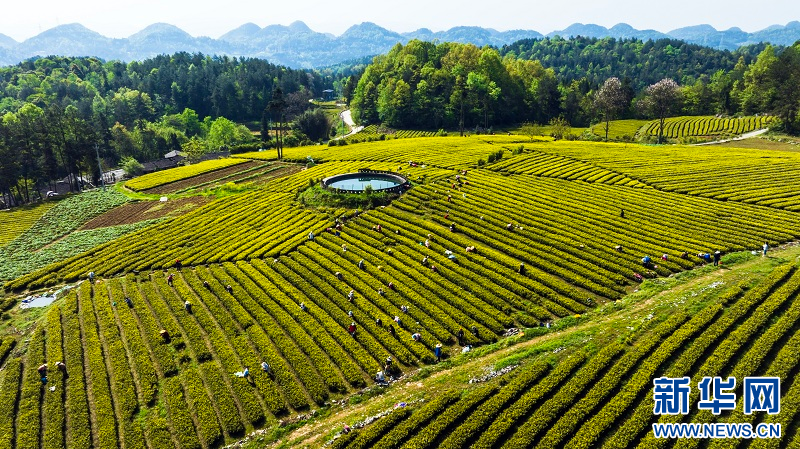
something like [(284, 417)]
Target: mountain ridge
[(297, 45)]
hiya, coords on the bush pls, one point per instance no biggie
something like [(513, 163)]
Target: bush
[(249, 147), (131, 166), (291, 141), (313, 124)]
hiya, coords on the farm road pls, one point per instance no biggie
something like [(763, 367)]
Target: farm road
[(755, 133), (348, 120)]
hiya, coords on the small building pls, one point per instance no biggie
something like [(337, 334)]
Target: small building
[(162, 164), (328, 94)]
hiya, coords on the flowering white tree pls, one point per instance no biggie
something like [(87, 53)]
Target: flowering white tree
[(610, 100), (661, 99)]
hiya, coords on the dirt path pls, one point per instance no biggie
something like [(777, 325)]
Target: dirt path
[(744, 136), (347, 117)]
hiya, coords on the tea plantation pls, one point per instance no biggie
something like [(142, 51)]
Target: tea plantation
[(533, 261)]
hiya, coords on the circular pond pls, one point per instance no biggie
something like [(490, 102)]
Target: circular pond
[(379, 181)]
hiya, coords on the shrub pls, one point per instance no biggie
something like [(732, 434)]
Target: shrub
[(131, 167)]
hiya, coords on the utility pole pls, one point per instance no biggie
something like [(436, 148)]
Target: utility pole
[(100, 166)]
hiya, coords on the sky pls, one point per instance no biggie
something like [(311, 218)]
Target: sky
[(121, 18)]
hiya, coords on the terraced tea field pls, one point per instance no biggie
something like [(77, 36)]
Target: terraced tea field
[(605, 398), (678, 127), (552, 233), (160, 178)]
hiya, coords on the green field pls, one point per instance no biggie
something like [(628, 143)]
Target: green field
[(680, 127), (620, 129), (558, 231), (16, 221), (160, 178)]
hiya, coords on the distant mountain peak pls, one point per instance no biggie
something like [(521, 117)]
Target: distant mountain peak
[(703, 27), (67, 29), (241, 33), (300, 26), (622, 27), (159, 29), (297, 45), (7, 41)]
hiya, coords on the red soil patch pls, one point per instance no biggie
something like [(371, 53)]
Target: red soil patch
[(145, 210)]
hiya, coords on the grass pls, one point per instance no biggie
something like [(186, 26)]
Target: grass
[(620, 129), (317, 197)]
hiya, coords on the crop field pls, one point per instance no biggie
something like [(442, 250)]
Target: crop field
[(376, 130), (766, 178), (552, 166), (160, 178), (21, 263), (137, 211), (16, 221), (605, 399), (552, 232), (621, 129), (58, 221), (228, 173), (443, 152), (677, 127)]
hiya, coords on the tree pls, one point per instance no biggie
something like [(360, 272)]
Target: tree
[(265, 125), (461, 92), (131, 167), (313, 124), (191, 123), (610, 100), (559, 127), (194, 149), (486, 90), (785, 74), (661, 99), (531, 129), (277, 106), (222, 133)]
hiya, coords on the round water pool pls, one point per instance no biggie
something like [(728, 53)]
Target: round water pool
[(380, 181)]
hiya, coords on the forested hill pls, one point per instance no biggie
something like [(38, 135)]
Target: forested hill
[(236, 88), (423, 85), (641, 62)]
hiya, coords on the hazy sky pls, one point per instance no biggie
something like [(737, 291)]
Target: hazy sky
[(121, 18)]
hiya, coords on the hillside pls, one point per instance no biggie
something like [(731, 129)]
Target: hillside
[(528, 252), (298, 46)]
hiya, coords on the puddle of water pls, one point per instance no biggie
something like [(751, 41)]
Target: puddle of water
[(44, 300), (40, 301)]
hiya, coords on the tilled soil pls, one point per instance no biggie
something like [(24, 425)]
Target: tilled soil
[(145, 210)]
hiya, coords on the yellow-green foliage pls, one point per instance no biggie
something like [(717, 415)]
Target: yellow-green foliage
[(690, 126), (176, 174), (619, 129), (767, 178), (375, 131), (126, 386), (562, 167), (255, 224), (606, 399), (449, 152), (15, 221)]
